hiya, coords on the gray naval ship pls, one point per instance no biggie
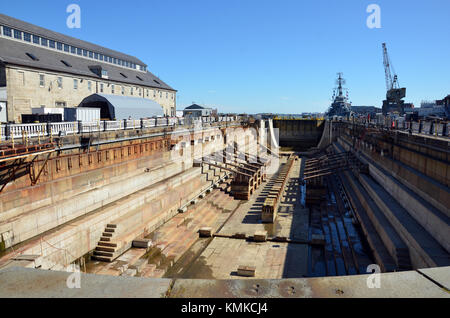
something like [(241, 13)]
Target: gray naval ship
[(340, 106)]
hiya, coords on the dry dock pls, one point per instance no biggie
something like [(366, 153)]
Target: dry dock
[(155, 205)]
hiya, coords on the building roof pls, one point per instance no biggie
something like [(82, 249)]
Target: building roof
[(122, 107), (14, 52), (59, 37), (195, 106)]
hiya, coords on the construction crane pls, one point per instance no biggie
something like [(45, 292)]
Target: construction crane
[(394, 93)]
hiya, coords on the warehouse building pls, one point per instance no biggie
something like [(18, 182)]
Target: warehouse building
[(43, 69), (197, 111)]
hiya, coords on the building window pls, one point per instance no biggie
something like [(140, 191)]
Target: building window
[(75, 84), (36, 39), (51, 44), (7, 31), (89, 85), (60, 82), (131, 90), (66, 48), (73, 50), (60, 104), (147, 92), (96, 56), (167, 95), (91, 54), (112, 88), (18, 34), (44, 42), (104, 73), (101, 57), (59, 46), (160, 94), (123, 90), (101, 88), (41, 80), (27, 37), (85, 53), (79, 51)]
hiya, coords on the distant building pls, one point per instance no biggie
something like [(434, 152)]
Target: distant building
[(365, 110), (444, 102), (438, 108), (427, 104), (197, 111), (42, 68)]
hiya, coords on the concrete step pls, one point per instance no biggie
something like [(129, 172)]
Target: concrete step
[(108, 244), (382, 255), (435, 220), (105, 239), (103, 253), (111, 226), (105, 249), (110, 230), (107, 234), (427, 251), (388, 233), (102, 258)]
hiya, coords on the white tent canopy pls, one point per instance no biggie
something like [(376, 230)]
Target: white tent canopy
[(123, 107)]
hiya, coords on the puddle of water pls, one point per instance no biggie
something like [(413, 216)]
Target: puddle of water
[(272, 228), (185, 222), (191, 264), (156, 257)]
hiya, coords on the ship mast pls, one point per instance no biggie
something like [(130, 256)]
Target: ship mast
[(340, 81)]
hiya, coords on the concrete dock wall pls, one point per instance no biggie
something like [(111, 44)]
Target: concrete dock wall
[(299, 134), (24, 283), (81, 192)]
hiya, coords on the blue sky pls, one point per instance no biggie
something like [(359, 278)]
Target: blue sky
[(266, 56)]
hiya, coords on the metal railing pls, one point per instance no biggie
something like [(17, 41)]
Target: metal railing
[(13, 131), (423, 127)]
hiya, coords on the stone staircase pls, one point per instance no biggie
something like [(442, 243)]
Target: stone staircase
[(106, 250), (119, 234)]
